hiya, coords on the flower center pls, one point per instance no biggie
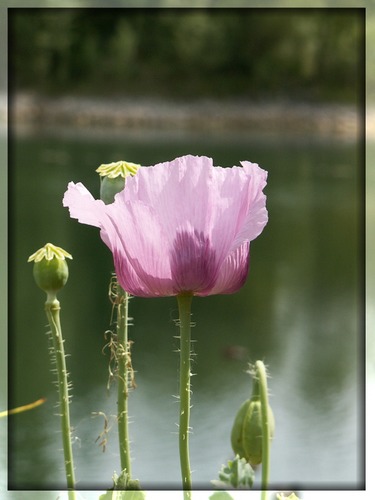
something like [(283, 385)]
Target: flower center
[(193, 262)]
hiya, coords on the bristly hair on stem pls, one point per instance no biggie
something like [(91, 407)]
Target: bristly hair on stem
[(52, 355), (117, 350), (120, 367), (184, 307), (52, 308), (51, 273)]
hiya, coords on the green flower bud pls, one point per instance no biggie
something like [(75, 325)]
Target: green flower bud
[(50, 268), (113, 176), (247, 431)]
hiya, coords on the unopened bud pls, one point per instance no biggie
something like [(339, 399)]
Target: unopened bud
[(247, 430)]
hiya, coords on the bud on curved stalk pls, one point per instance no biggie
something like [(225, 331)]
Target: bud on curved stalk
[(112, 177), (254, 424)]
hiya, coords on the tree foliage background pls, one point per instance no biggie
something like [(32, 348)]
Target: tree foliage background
[(314, 54)]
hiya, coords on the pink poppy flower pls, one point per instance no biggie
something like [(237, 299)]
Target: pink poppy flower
[(180, 227)]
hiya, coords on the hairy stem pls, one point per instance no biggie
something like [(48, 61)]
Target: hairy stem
[(184, 307), (123, 389), (52, 307), (262, 379)]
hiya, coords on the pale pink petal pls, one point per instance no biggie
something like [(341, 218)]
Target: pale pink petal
[(143, 242), (86, 209), (256, 212), (132, 283), (231, 204), (83, 206), (178, 191)]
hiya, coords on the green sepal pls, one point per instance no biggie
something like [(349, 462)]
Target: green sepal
[(237, 430)]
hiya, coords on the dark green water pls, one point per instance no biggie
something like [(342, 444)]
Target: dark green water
[(300, 312)]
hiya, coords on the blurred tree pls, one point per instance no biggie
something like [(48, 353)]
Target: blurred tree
[(311, 53)]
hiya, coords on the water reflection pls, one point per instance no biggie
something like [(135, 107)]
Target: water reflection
[(299, 311)]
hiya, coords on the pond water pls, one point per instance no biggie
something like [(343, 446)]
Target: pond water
[(300, 311)]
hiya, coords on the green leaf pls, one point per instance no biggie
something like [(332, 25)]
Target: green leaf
[(236, 474), (123, 495), (124, 488), (281, 496), (123, 482), (221, 495)]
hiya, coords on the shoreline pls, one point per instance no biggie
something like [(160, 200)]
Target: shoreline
[(339, 121)]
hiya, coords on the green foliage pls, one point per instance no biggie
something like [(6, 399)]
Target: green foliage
[(236, 474), (215, 52), (124, 482), (221, 495), (123, 495), (124, 488), (282, 496)]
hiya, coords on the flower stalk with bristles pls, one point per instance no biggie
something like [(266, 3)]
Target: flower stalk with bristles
[(268, 425), (254, 426), (113, 177), (184, 308), (51, 274)]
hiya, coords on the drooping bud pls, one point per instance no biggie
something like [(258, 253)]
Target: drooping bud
[(113, 176), (50, 268), (247, 430)]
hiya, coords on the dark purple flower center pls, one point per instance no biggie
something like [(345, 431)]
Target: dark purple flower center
[(193, 262)]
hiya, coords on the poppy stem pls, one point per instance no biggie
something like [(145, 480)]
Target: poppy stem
[(123, 376), (184, 307), (261, 375), (52, 308)]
